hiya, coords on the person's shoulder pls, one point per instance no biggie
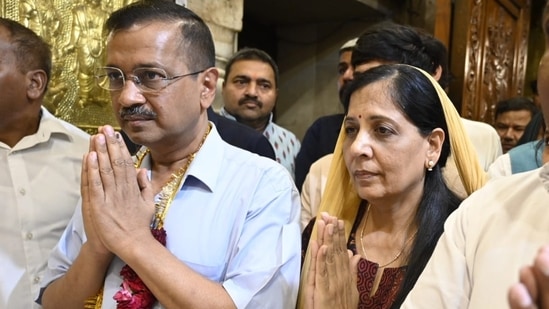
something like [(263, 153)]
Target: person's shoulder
[(478, 127), (228, 128), (514, 198), (239, 156), (485, 139), (254, 166), (526, 147), (328, 123), (510, 187), (285, 133), (323, 163), (500, 197), (58, 125), (501, 167), (241, 136)]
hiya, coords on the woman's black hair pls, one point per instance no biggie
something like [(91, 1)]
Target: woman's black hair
[(416, 96)]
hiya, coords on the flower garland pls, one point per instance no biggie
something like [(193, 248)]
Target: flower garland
[(133, 293)]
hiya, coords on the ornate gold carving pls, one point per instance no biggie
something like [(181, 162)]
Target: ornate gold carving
[(74, 30)]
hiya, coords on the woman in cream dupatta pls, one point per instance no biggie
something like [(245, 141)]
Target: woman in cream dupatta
[(385, 190)]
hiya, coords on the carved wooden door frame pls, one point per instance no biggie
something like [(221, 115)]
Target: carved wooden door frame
[(488, 54)]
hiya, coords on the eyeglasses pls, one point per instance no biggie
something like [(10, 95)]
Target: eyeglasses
[(146, 79)]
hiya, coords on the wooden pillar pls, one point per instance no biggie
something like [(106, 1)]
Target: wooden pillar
[(443, 20)]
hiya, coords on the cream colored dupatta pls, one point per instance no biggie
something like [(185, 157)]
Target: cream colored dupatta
[(341, 200)]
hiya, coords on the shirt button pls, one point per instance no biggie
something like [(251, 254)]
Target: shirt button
[(29, 236), (22, 191), (36, 279)]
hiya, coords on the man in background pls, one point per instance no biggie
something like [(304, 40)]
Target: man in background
[(512, 117), (249, 96), (321, 137)]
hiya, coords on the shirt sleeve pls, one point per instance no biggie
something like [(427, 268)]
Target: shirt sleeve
[(66, 250), (255, 280)]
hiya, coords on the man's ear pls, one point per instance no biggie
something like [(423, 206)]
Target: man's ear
[(36, 84), (438, 73), (209, 87)]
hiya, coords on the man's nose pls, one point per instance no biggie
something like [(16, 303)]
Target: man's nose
[(251, 89), (508, 133), (131, 93)]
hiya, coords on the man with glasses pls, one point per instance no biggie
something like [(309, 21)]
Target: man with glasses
[(153, 79), (199, 223)]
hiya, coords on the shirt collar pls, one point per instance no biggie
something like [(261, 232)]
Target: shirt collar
[(48, 127), (207, 164)]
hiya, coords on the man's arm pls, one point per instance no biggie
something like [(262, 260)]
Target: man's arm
[(83, 280), (85, 276)]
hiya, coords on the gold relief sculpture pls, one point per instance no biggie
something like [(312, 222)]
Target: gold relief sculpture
[(74, 30), (87, 45)]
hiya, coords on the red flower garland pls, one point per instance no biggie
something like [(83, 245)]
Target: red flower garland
[(134, 294)]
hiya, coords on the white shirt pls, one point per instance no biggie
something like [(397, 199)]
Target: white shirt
[(495, 232), (235, 221), (501, 167), (39, 189), (485, 139)]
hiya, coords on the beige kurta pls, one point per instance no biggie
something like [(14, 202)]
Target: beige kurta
[(495, 232)]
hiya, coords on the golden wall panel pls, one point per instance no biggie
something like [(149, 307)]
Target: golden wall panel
[(74, 30)]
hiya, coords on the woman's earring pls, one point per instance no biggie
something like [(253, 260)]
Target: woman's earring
[(430, 165)]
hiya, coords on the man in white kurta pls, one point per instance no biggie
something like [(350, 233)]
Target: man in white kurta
[(40, 187), (494, 233), (40, 159)]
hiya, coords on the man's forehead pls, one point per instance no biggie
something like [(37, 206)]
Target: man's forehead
[(248, 67)]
